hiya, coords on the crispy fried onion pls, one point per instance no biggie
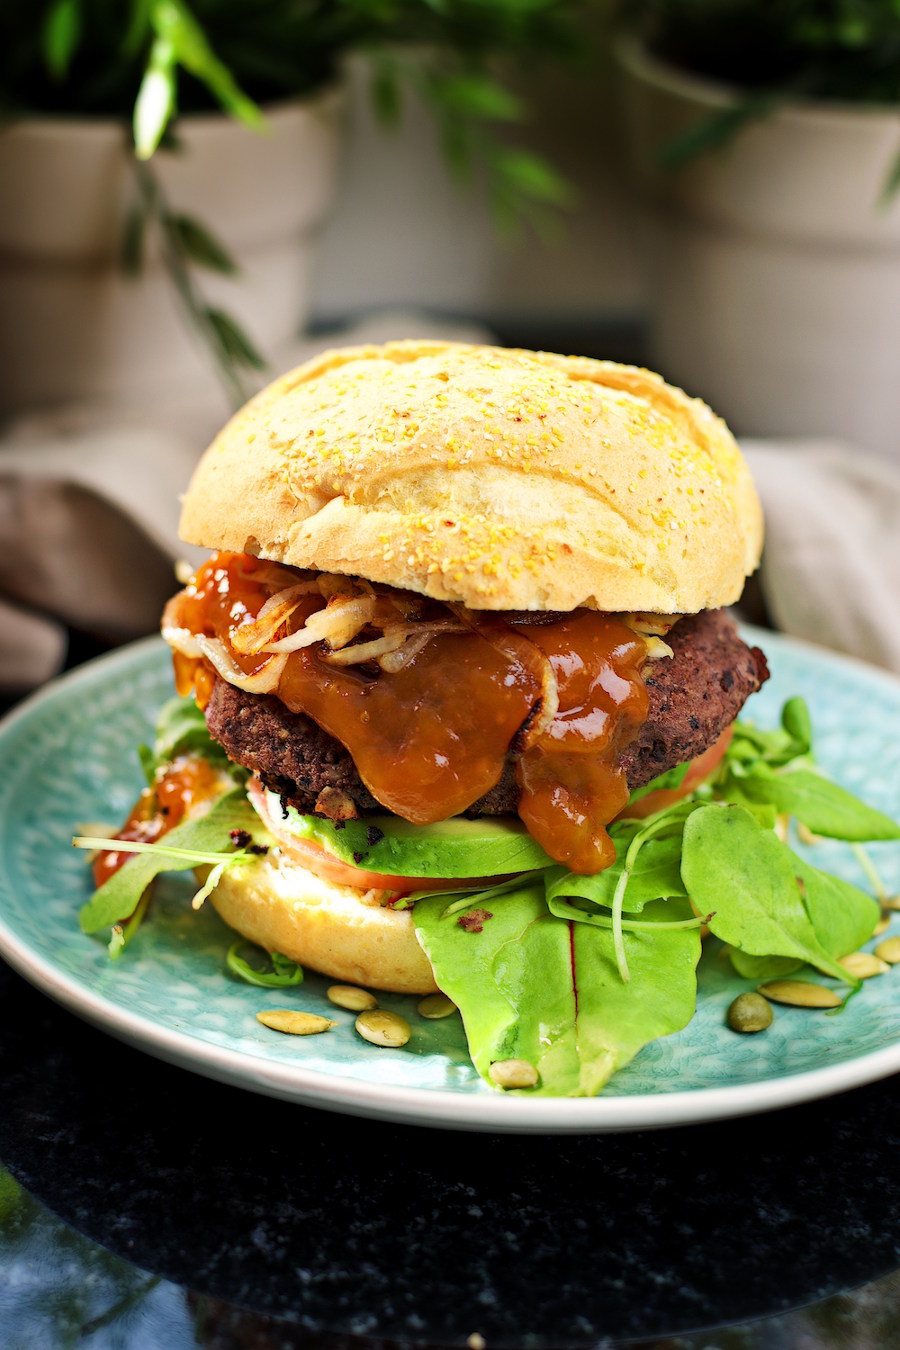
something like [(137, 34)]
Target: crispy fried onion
[(181, 640), (252, 637), (652, 628), (262, 681)]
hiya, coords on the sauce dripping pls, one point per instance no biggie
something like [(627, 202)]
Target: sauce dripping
[(433, 737), (189, 779)]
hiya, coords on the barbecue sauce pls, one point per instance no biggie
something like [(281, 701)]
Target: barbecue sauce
[(432, 738)]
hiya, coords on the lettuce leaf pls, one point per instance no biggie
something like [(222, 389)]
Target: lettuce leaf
[(535, 987)]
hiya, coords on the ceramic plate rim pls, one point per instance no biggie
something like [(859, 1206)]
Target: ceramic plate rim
[(428, 1106)]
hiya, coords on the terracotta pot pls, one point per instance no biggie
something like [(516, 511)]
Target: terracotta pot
[(73, 326), (774, 272)]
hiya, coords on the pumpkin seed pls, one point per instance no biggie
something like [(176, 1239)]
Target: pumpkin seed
[(882, 925), (294, 1023), (863, 965), (350, 997), (435, 1006), (799, 994), (889, 951), (749, 1012), (513, 1073), (383, 1028)]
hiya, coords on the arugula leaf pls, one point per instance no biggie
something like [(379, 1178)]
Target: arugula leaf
[(753, 887), (535, 987), (823, 806), (202, 840)]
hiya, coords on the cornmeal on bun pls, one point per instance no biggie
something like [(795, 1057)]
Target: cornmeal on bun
[(464, 604)]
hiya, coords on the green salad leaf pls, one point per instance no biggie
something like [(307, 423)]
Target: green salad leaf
[(282, 972), (531, 986), (753, 887), (181, 729), (654, 873), (198, 841), (823, 806)]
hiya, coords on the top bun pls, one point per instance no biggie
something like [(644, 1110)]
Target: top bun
[(496, 478)]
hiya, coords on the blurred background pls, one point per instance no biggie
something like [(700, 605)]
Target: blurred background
[(197, 194)]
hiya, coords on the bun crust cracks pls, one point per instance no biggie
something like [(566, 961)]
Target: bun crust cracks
[(494, 478)]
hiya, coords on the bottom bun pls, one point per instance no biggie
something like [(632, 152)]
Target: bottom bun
[(329, 928)]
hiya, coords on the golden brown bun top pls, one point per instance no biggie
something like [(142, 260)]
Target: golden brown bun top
[(497, 478)]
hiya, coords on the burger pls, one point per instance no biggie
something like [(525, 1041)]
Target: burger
[(468, 687)]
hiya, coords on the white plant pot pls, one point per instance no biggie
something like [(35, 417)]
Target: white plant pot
[(73, 326), (774, 285)]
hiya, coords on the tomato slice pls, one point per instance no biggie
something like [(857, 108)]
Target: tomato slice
[(701, 768)]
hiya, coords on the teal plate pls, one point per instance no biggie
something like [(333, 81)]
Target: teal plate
[(69, 758)]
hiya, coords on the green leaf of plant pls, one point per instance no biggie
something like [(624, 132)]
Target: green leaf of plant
[(174, 24), (891, 185), (823, 806), (384, 88), (476, 95), (752, 885), (234, 343), (155, 102), (61, 35), (200, 840), (199, 245), (716, 130), (530, 986), (132, 256)]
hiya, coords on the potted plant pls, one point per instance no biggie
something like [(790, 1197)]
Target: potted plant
[(165, 166), (767, 145)]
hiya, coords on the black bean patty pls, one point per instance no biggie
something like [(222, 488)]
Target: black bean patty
[(694, 696)]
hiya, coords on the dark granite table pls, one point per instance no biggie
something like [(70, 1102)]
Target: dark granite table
[(141, 1206)]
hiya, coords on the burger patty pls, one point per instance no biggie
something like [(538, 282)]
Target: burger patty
[(694, 696)]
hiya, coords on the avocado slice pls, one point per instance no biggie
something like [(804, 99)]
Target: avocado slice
[(488, 847)]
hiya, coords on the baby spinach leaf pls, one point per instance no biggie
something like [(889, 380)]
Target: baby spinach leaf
[(752, 885), (656, 874), (535, 987), (201, 840), (843, 916), (759, 968), (823, 806)]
